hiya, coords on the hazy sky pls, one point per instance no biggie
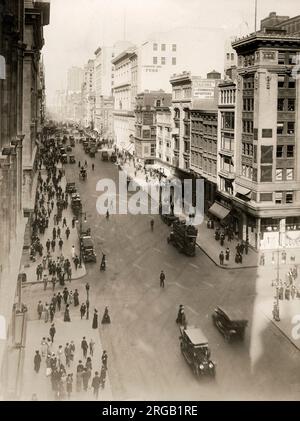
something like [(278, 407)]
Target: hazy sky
[(78, 27)]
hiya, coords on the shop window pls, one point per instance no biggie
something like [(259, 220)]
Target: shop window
[(289, 197), (266, 173), (278, 198)]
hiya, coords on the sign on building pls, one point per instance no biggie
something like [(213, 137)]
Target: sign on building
[(204, 89)]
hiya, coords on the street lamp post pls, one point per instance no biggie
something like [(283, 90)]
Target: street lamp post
[(276, 316)]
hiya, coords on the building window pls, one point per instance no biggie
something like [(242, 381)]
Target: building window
[(291, 127), (279, 174), (289, 197), (267, 133), (278, 198), (280, 104), (232, 56), (174, 61), (155, 47), (266, 154), (281, 80), (280, 127), (163, 47), (266, 173), (290, 174), (228, 121), (290, 151), (281, 58), (228, 56), (154, 60), (163, 60), (291, 104), (266, 197), (292, 83), (174, 47), (279, 152)]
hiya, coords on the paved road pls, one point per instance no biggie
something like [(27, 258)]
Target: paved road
[(142, 341)]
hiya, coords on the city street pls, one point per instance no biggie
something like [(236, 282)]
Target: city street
[(142, 341)]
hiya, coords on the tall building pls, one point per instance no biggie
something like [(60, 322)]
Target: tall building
[(74, 79), (145, 123), (147, 67), (267, 179), (104, 83), (22, 112), (88, 95), (123, 115), (36, 17), (163, 133)]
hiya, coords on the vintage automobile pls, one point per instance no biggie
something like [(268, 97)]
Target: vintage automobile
[(69, 148), (72, 141), (87, 249), (71, 187), (231, 323), (72, 159), (194, 348), (113, 157), (169, 219), (183, 237), (83, 174), (64, 158)]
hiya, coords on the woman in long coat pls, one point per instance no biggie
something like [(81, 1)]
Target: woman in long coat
[(95, 320), (76, 298), (105, 318), (67, 314)]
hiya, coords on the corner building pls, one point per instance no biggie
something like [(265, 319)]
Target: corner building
[(267, 133)]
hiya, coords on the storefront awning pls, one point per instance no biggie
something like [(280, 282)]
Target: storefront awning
[(242, 190), (219, 211)]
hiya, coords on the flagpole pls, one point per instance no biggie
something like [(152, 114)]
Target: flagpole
[(255, 16)]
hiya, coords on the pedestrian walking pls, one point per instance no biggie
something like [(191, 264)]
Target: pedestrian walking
[(92, 347), (58, 300), (51, 312), (53, 243), (104, 359), (102, 377), (93, 166), (73, 252), (37, 361), (221, 257), (105, 318), (95, 320), (48, 244), (65, 295), (67, 354), (152, 224), (58, 232), (107, 214), (71, 297), (162, 278), (227, 254), (96, 384), (53, 282), (40, 309), (59, 355), (76, 298), (68, 232), (86, 374), (73, 222), (46, 312), (64, 222), (82, 310), (76, 262), (67, 314), (52, 332), (84, 347), (262, 259), (69, 383), (44, 347)]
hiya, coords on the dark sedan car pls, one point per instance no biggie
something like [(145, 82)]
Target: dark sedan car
[(231, 323)]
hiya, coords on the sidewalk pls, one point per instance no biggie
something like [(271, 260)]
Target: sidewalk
[(205, 239), (29, 267), (38, 383)]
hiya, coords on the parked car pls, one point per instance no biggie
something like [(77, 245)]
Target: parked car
[(87, 249), (231, 323), (72, 159), (194, 348), (104, 156)]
